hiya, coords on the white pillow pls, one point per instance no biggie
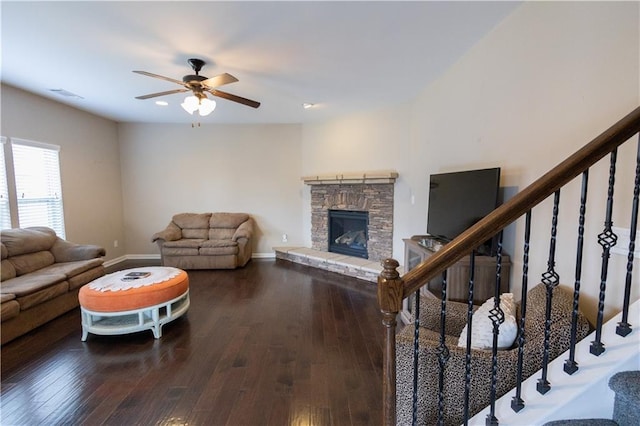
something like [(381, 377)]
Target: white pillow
[(482, 329)]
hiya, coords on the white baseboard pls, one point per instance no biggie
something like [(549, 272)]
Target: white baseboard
[(126, 257), (270, 255)]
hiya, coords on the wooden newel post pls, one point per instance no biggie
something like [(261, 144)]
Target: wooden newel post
[(390, 291)]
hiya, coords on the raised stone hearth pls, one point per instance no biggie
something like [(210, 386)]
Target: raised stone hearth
[(346, 265)]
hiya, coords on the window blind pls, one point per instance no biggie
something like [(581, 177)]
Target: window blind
[(38, 187), (5, 210)]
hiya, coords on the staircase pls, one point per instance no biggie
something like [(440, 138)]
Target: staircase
[(579, 396), (574, 385)]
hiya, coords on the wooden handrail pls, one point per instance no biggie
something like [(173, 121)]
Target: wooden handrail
[(522, 202)]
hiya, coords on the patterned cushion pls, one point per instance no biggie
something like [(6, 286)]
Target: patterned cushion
[(482, 326)]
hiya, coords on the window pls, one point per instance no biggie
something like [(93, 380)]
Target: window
[(36, 169), (5, 212)]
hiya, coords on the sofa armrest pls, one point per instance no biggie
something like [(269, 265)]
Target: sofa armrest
[(245, 230), (66, 251), (171, 233)]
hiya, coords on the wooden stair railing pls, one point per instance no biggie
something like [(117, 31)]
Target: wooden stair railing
[(392, 288)]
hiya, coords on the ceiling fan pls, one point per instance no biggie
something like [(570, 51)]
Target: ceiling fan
[(199, 84)]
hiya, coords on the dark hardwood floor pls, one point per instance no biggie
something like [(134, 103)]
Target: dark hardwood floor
[(274, 343)]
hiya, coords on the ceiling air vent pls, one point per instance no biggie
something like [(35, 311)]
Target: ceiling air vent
[(65, 93)]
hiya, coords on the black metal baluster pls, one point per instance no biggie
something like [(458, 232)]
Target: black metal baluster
[(496, 315), (443, 351), (467, 359), (416, 348), (624, 328), (570, 365), (607, 239), (517, 403), (550, 279)]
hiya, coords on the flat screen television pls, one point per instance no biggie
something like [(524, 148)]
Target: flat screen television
[(460, 199)]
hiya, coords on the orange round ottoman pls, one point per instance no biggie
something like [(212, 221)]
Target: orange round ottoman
[(134, 300)]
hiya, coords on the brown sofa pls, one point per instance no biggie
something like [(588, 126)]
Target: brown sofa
[(206, 241), (41, 277), (481, 363)]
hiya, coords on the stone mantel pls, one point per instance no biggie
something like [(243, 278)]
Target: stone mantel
[(352, 178)]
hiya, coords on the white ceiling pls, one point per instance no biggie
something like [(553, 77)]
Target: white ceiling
[(342, 56)]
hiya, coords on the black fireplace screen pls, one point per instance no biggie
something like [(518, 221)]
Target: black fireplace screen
[(348, 232)]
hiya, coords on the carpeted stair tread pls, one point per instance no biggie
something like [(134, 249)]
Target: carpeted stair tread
[(626, 406), (582, 422)]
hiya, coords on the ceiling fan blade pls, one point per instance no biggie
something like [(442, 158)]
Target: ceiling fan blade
[(219, 80), (169, 92), (234, 98), (161, 77)]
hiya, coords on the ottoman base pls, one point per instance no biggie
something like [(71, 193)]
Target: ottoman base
[(147, 318)]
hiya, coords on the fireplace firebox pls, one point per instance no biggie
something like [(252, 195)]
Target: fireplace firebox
[(348, 232)]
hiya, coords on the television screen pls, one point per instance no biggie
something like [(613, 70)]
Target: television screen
[(460, 199)]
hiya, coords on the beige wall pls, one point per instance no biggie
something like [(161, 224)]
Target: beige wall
[(544, 82), (368, 142), (89, 162), (174, 168)]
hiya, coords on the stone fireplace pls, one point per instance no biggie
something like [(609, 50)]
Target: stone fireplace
[(368, 195), (367, 192)]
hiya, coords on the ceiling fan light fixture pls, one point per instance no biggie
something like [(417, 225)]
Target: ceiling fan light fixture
[(207, 106), (200, 103), (190, 104)]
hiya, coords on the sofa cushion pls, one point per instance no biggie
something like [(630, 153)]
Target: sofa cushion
[(3, 250), (482, 325), (193, 225), (179, 251), (216, 251), (7, 270), (192, 220), (184, 243), (31, 262), (219, 243), (85, 277), (38, 297), (221, 233), (27, 240), (5, 297), (9, 309), (201, 234), (65, 251), (70, 269), (30, 283), (227, 220)]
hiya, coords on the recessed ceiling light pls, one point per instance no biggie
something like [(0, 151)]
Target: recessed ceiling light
[(162, 103), (307, 105)]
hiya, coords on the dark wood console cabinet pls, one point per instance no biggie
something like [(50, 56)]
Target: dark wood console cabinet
[(457, 275)]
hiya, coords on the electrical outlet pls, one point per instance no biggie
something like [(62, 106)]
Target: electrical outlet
[(285, 238), (115, 243)]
